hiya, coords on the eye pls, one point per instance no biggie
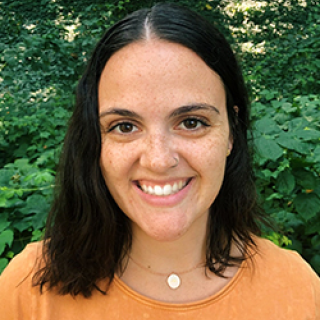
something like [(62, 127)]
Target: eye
[(123, 128), (192, 124)]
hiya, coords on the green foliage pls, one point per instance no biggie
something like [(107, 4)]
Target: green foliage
[(25, 195), (287, 167), (43, 49)]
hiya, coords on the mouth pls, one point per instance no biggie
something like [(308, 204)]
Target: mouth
[(163, 190)]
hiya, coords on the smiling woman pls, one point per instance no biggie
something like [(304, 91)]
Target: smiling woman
[(178, 120), (156, 205)]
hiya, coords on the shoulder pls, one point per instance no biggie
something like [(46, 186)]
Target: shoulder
[(285, 274), (23, 264), (274, 258), (16, 280)]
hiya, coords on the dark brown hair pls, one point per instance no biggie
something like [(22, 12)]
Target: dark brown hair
[(87, 234)]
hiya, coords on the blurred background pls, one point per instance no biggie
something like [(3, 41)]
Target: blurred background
[(44, 46)]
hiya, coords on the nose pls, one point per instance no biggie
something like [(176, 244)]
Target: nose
[(159, 154)]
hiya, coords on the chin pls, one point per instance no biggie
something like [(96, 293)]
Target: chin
[(166, 234)]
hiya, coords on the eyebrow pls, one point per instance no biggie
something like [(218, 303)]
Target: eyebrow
[(120, 112), (194, 107), (181, 110)]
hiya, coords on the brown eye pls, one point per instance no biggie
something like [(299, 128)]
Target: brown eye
[(124, 128), (191, 123)]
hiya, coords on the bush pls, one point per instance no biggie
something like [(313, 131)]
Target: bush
[(44, 49)]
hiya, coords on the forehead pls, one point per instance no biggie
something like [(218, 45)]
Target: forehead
[(156, 71)]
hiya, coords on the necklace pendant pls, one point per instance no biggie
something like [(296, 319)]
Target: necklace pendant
[(173, 281)]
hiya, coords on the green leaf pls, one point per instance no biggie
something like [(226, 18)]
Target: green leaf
[(23, 224), (268, 149), (19, 192), (21, 152), (43, 177), (307, 205), (3, 202), (35, 204), (36, 235), (3, 263), (288, 141), (22, 164), (296, 245), (267, 126), (39, 220), (308, 134), (268, 94), (278, 239), (9, 193), (9, 254), (306, 179), (4, 225), (313, 228), (6, 238), (317, 153), (38, 207), (285, 182), (288, 108), (44, 134), (297, 123), (315, 263), (5, 176), (315, 241)]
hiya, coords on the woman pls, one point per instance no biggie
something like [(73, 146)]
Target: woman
[(156, 215)]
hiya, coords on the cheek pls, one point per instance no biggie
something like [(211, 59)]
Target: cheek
[(109, 161), (210, 153), (115, 161), (112, 171)]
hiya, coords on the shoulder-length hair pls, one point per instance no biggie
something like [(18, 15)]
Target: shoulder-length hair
[(87, 235)]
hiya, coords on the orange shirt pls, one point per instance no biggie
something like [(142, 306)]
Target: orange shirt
[(278, 285)]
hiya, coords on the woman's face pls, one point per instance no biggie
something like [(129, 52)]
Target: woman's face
[(160, 104)]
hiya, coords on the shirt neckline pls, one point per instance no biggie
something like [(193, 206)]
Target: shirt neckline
[(182, 306)]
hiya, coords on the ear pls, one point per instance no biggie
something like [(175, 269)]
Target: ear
[(230, 144)]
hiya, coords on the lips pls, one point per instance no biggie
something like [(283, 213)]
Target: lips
[(164, 189)]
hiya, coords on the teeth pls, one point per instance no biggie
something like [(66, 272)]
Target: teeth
[(167, 189), (158, 190), (164, 191)]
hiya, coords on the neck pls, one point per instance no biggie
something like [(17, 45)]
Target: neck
[(159, 259), (165, 256)]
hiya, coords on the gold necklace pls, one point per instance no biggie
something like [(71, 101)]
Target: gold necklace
[(173, 279)]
